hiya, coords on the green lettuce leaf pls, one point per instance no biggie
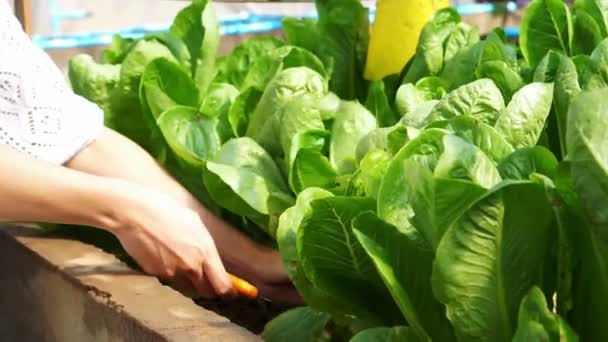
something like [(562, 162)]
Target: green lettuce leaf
[(378, 103), (546, 25), (500, 245), (588, 159), (480, 99), (244, 179), (331, 257), (429, 58), (484, 136), (165, 85), (118, 49), (351, 124), (523, 163), (298, 325), (264, 122), (234, 67), (523, 121), (192, 137), (94, 81), (197, 26), (308, 165), (405, 267), (536, 322), (217, 104), (343, 28), (395, 334), (289, 224)]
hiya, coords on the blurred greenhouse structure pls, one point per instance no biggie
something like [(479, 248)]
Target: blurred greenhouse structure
[(64, 27)]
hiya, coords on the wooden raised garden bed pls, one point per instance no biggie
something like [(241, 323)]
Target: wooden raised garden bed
[(57, 289)]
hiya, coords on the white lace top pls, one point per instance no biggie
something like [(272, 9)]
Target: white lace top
[(39, 114)]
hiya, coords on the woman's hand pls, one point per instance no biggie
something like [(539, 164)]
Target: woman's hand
[(241, 256), (169, 240)]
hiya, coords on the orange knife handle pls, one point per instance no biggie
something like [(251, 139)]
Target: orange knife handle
[(243, 287)]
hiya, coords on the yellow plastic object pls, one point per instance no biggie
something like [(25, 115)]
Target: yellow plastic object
[(395, 32)]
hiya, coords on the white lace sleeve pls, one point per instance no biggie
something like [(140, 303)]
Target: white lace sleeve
[(39, 114)]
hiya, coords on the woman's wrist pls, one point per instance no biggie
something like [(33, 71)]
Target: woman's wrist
[(240, 258), (112, 203), (240, 254), (251, 261)]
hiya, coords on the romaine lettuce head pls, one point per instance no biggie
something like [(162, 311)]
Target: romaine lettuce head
[(264, 123)]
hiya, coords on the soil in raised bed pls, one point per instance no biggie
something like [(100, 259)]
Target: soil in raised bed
[(250, 314)]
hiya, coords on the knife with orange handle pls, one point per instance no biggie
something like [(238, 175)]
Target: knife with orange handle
[(243, 287), (249, 291)]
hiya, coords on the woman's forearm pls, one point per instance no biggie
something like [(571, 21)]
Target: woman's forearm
[(135, 165), (165, 238), (35, 191)]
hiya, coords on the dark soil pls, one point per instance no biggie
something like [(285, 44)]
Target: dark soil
[(250, 314)]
